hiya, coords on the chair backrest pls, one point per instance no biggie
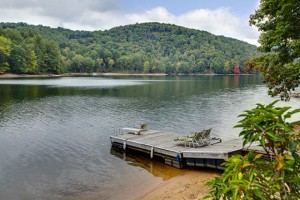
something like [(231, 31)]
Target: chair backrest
[(199, 135), (206, 135), (144, 126)]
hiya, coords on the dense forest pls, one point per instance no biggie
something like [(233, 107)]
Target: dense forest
[(138, 48)]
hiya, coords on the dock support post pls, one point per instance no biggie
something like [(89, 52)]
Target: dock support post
[(124, 145), (151, 152)]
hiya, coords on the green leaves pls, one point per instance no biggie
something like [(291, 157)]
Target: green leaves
[(140, 48), (272, 175), (5, 49), (289, 114), (278, 21), (266, 124)]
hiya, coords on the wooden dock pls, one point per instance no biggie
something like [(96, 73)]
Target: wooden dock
[(161, 144)]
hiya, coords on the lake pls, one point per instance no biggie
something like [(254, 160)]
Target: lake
[(54, 132)]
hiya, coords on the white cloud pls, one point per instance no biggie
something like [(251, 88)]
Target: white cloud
[(27, 15), (95, 15)]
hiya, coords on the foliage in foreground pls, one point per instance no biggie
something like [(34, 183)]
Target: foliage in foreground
[(273, 175)]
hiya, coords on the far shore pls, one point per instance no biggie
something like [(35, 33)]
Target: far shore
[(9, 75)]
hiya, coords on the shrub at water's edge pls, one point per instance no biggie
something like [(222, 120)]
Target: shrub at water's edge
[(276, 173), (272, 175)]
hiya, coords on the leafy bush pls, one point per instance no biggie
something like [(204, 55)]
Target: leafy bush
[(273, 174)]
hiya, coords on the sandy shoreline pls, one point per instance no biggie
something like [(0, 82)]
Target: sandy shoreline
[(189, 185)]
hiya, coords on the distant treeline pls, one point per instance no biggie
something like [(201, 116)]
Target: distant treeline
[(139, 48)]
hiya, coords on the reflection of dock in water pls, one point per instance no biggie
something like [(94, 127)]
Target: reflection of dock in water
[(162, 145), (154, 166)]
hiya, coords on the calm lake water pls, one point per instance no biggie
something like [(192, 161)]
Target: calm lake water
[(54, 133)]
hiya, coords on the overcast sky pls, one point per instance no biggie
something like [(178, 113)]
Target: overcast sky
[(221, 17)]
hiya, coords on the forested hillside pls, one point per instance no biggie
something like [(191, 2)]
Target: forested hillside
[(139, 48)]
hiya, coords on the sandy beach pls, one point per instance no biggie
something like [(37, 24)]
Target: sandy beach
[(189, 185)]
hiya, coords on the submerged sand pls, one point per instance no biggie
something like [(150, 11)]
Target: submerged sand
[(189, 185)]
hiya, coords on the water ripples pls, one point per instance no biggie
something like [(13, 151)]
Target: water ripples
[(56, 144)]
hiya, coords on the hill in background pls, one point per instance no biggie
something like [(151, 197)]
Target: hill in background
[(138, 48)]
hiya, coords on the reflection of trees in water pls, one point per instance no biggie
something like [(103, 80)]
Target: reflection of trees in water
[(157, 95), (156, 88), (154, 166)]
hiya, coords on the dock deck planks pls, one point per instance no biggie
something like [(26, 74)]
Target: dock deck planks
[(163, 145)]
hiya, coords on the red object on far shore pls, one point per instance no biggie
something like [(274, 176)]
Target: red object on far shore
[(236, 70)]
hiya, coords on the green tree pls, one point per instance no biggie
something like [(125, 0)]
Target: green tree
[(77, 63), (146, 66), (48, 54), (52, 58), (31, 61), (5, 49), (88, 64), (226, 67), (23, 59), (18, 59), (110, 63), (279, 24), (184, 67), (99, 64)]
